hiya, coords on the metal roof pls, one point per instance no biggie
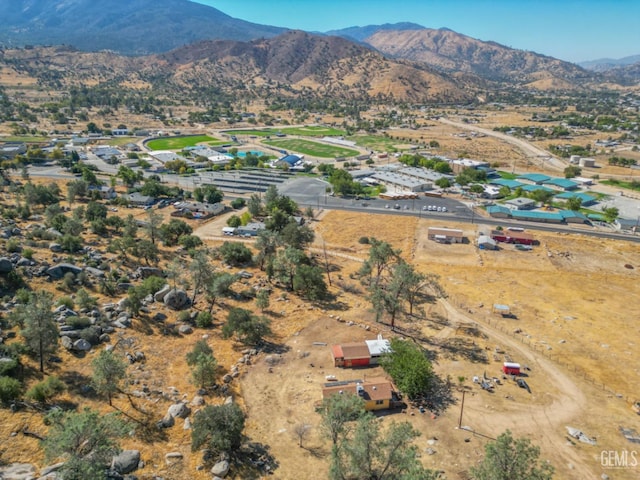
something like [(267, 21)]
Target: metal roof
[(503, 182), (534, 177)]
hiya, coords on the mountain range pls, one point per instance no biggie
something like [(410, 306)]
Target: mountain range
[(184, 42)]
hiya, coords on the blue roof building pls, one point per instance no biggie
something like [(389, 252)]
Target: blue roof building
[(562, 183), (498, 211), (586, 199), (537, 216), (573, 217), (536, 178), (533, 188), (503, 182)]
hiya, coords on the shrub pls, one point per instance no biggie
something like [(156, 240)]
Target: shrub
[(184, 316), (7, 365), (66, 301), (13, 245), (363, 240), (91, 335), (153, 284), (204, 320), (78, 323), (23, 295), (46, 390), (10, 389), (85, 300), (28, 253)]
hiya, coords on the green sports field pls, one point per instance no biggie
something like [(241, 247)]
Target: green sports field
[(308, 131), (313, 149), (178, 143)]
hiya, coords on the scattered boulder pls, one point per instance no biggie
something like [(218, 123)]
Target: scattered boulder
[(166, 422), (5, 265), (179, 410), (187, 424), (17, 471), (55, 247), (177, 299), (220, 469), (172, 457), (197, 401), (95, 272), (66, 342), (51, 469), (126, 462), (58, 271), (81, 345), (185, 329), (160, 294), (145, 272)]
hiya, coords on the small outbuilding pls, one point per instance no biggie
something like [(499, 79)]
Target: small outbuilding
[(445, 235), (485, 242), (510, 368)]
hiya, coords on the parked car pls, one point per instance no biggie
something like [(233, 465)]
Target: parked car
[(444, 209), (397, 206), (425, 208), (439, 209)]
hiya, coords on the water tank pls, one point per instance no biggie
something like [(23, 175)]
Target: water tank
[(587, 162)]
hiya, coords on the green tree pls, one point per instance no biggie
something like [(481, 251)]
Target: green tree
[(234, 221), (235, 253), (247, 327), (85, 440), (254, 205), (203, 364), (218, 286), (95, 211), (574, 203), (371, 454), (296, 236), (508, 458), (309, 282), (201, 271), (40, 329), (218, 428), (336, 411), (408, 366), (262, 299), (267, 245), (610, 214), (152, 225), (443, 182), (572, 171), (172, 231), (108, 374), (286, 263), (381, 257)]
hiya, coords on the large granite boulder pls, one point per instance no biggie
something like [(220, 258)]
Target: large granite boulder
[(177, 299), (179, 410), (58, 271), (126, 461), (5, 265), (220, 469), (160, 294)]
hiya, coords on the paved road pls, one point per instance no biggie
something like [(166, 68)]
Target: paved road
[(311, 192)]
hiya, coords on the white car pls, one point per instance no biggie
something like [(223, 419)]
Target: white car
[(439, 209), (431, 208), (425, 208), (444, 209)]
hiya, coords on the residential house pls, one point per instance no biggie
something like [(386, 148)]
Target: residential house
[(376, 393)]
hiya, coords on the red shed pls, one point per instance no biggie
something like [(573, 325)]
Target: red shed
[(351, 355), (511, 368)]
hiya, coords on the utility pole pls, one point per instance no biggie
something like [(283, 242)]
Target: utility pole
[(461, 410)]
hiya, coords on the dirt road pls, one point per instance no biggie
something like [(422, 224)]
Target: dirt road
[(539, 156)]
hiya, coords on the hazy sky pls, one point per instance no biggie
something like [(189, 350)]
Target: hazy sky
[(567, 29)]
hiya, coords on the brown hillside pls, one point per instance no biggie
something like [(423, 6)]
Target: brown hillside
[(451, 51)]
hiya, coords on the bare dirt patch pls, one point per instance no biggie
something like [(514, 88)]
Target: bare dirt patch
[(569, 299)]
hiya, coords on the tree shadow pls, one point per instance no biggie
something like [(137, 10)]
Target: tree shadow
[(253, 460), (439, 397), (78, 384), (272, 347)]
